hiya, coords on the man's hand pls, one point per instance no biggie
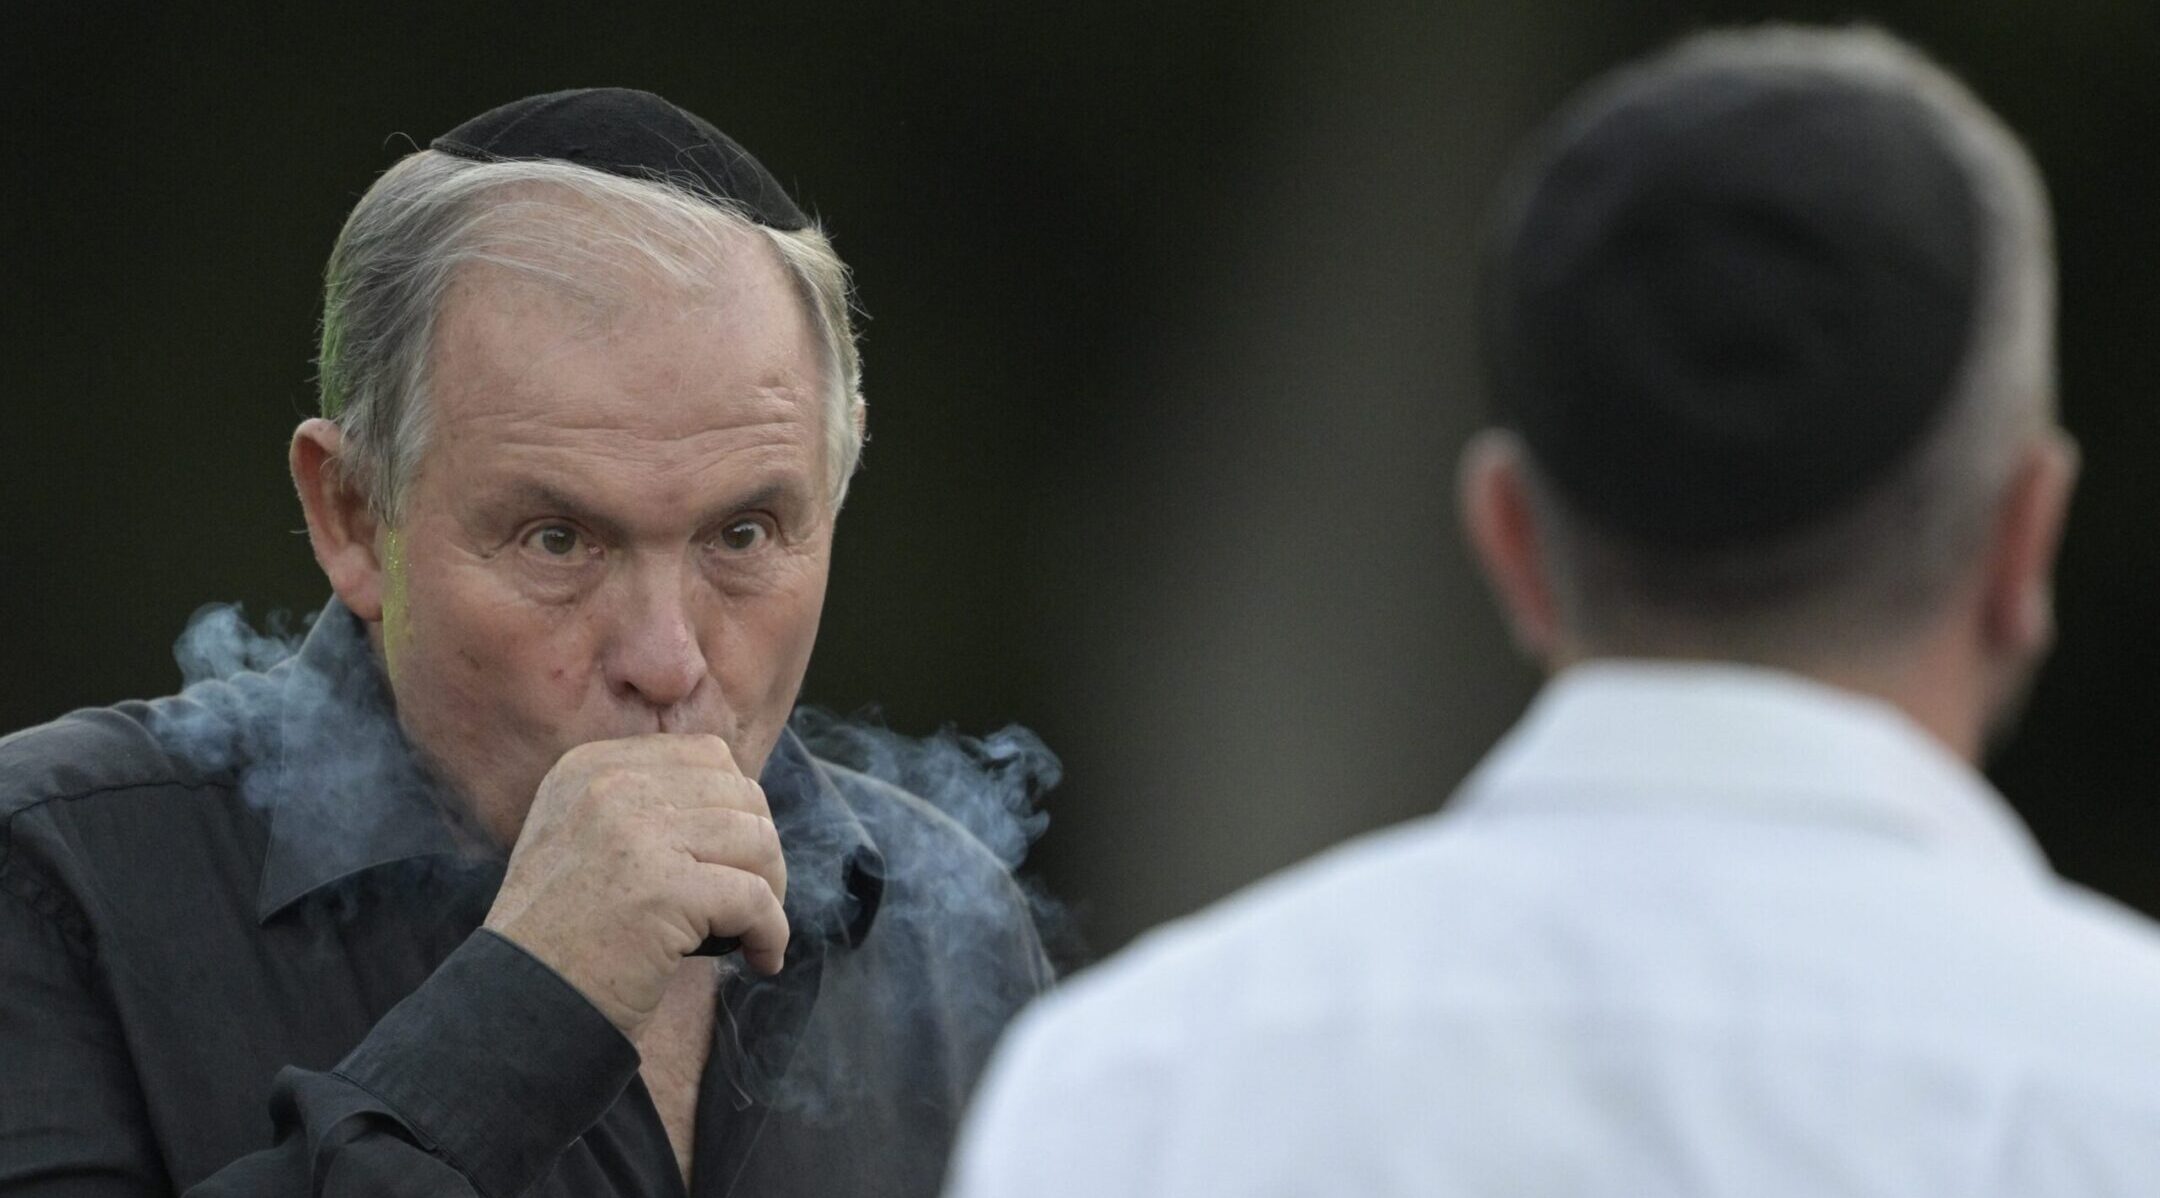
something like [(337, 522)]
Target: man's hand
[(633, 853)]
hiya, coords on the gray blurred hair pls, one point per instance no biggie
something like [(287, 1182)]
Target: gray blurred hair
[(589, 236), (1880, 567)]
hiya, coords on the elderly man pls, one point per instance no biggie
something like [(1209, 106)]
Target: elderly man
[(1774, 499), (447, 902)]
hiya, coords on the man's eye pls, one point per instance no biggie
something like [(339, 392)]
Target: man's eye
[(744, 534), (555, 540)]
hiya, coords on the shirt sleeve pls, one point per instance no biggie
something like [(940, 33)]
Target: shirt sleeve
[(474, 1084)]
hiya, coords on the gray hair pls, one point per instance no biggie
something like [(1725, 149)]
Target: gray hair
[(1879, 567), (585, 234)]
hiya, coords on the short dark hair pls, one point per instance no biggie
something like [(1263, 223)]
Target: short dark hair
[(1773, 568)]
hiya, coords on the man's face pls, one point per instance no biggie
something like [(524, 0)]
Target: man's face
[(620, 526)]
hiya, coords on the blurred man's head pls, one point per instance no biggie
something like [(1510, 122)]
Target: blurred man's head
[(588, 417), (1770, 324)]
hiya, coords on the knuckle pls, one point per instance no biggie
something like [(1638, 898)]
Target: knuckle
[(755, 902), (750, 891), (750, 797), (726, 892), (587, 756), (721, 748), (708, 747), (618, 822), (601, 794), (770, 890), (607, 781), (758, 840)]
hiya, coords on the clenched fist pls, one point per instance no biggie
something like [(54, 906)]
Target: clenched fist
[(633, 853)]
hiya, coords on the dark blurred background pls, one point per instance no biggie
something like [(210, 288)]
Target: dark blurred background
[(1167, 352)]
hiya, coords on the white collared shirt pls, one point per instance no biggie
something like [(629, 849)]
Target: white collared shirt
[(1690, 930)]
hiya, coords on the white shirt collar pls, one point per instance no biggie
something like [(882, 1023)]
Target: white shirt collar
[(1732, 741)]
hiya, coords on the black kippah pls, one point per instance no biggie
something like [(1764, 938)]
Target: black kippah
[(627, 132), (1725, 301)]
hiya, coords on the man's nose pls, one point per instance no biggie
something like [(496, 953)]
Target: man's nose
[(654, 655)]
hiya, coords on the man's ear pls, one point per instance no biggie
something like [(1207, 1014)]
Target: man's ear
[(341, 524), (1500, 522), (2018, 602)]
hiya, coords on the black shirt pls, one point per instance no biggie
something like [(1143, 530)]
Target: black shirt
[(240, 953)]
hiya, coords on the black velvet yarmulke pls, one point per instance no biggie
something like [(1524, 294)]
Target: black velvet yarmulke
[(1720, 303), (628, 132)]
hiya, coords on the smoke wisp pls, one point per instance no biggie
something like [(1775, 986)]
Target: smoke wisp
[(950, 947)]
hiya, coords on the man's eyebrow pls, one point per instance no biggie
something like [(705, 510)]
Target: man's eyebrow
[(526, 495), (778, 493), (533, 494)]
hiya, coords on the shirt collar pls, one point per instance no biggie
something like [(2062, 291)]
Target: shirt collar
[(1727, 741), (345, 794)]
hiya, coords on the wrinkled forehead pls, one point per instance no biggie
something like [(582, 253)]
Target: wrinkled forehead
[(634, 248), (651, 377)]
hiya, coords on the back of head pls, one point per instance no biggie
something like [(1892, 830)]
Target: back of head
[(1772, 314)]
